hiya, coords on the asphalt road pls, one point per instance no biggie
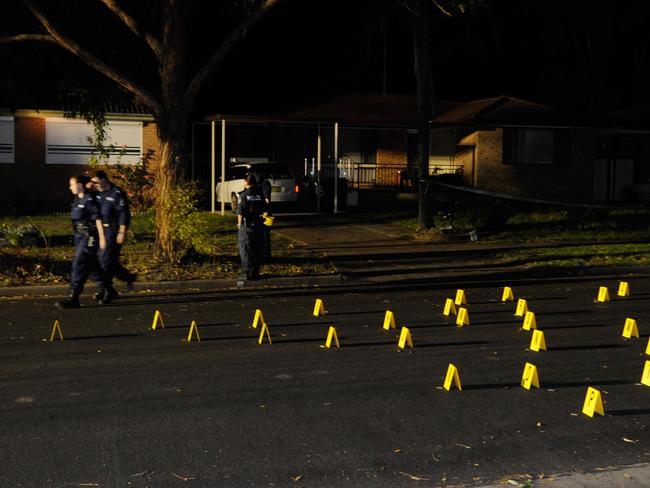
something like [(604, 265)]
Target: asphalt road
[(118, 405)]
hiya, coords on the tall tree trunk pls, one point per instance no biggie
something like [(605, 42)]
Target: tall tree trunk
[(424, 78)]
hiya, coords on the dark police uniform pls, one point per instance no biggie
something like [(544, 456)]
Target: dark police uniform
[(84, 213), (114, 211), (249, 237), (266, 230)]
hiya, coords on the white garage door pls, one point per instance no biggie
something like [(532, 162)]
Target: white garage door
[(67, 141), (6, 139)]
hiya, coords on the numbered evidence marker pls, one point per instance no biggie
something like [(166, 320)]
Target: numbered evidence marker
[(630, 329), (522, 308), (645, 377), (508, 295), (258, 319), (530, 378), (463, 317), (405, 338), (603, 294), (319, 308), (593, 403), (538, 342), (460, 297), (389, 320), (265, 328), (331, 334), (623, 289), (193, 328), (529, 321), (157, 317), (452, 375), (450, 308), (56, 328)]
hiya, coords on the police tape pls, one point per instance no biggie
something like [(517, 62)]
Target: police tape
[(556, 203)]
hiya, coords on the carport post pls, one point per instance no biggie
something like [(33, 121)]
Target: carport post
[(336, 167), (223, 166), (318, 164), (213, 187)]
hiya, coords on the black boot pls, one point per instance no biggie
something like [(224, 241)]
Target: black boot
[(99, 295), (110, 294), (130, 279), (71, 302)]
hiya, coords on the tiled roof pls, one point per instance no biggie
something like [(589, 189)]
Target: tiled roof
[(506, 110)]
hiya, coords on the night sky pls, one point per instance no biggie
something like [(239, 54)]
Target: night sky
[(588, 55)]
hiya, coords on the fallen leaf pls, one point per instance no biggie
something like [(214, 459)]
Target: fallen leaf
[(413, 477), (463, 445), (513, 482), (397, 450), (629, 440), (296, 478), (182, 477)]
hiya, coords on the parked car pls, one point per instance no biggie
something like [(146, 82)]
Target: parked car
[(283, 183)]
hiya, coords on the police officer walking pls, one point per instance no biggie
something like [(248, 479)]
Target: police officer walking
[(88, 237), (115, 216), (249, 223)]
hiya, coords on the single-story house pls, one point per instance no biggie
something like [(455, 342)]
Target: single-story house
[(41, 149)]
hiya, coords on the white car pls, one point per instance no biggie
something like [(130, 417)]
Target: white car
[(283, 183)]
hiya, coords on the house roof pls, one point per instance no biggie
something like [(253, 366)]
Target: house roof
[(507, 110), (116, 109)]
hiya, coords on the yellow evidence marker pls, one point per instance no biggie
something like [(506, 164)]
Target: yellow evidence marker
[(452, 375), (522, 308), (319, 308), (405, 338), (508, 295), (593, 403), (529, 321), (265, 328), (193, 328), (258, 319), (331, 334), (645, 377), (630, 329), (463, 317), (157, 317), (623, 289), (603, 294), (389, 320), (460, 297), (530, 378), (538, 342), (647, 349), (56, 328), (450, 307)]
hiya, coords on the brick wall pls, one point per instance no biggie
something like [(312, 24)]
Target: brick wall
[(150, 144), (391, 148), (566, 182)]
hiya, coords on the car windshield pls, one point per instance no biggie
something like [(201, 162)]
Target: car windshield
[(271, 171)]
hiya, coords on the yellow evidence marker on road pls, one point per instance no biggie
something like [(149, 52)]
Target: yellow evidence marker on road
[(56, 328), (623, 289), (593, 403), (258, 319), (405, 338), (450, 308), (463, 317), (265, 328), (331, 334), (647, 348), (630, 329), (194, 328), (508, 295), (522, 308), (529, 321), (389, 320), (603, 294), (530, 378), (538, 342), (319, 308), (452, 376), (645, 377), (157, 317), (461, 299)]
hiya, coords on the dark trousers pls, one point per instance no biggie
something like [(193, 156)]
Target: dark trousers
[(266, 234), (249, 241), (85, 263), (109, 258)]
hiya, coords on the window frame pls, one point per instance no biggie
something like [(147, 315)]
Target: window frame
[(561, 155), (12, 143)]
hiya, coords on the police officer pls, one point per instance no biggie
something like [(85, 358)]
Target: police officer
[(249, 223), (115, 216), (266, 229), (88, 237)]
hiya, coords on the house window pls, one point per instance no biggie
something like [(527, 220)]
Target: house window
[(68, 141), (7, 140), (535, 146)]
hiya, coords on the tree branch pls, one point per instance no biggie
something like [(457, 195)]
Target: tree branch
[(28, 38), (217, 57), (131, 23), (94, 62), (441, 8)]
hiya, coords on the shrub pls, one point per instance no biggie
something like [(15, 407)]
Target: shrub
[(22, 235)]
